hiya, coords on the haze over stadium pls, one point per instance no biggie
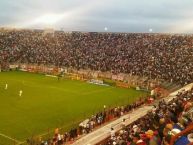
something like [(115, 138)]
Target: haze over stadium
[(173, 16)]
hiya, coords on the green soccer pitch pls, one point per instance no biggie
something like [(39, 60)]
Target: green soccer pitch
[(47, 103)]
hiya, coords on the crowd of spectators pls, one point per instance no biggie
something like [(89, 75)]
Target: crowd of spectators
[(90, 124), (162, 56), (160, 125)]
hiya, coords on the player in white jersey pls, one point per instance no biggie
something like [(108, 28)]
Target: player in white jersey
[(20, 93), (6, 86)]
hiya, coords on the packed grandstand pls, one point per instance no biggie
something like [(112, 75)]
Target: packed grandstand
[(166, 57), (161, 56)]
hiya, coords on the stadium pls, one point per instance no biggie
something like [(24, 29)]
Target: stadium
[(96, 73)]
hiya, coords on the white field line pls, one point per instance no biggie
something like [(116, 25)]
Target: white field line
[(10, 138)]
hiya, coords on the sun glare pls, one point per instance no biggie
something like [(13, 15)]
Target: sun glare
[(49, 19)]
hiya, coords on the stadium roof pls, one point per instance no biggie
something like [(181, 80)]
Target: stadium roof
[(100, 15)]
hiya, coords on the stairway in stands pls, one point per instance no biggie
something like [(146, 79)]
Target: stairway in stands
[(170, 86)]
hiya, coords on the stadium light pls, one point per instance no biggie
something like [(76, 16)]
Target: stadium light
[(105, 28)]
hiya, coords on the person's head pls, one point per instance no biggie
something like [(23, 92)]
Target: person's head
[(162, 121), (149, 133)]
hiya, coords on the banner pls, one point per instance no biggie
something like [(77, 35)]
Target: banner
[(88, 74), (122, 85)]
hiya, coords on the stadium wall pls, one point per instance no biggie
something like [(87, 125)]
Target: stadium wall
[(120, 80)]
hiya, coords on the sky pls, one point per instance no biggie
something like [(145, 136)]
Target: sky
[(158, 16)]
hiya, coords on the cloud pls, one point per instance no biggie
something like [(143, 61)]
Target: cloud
[(94, 15)]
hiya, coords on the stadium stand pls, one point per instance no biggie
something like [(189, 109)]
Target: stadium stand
[(161, 56), (168, 123), (166, 57)]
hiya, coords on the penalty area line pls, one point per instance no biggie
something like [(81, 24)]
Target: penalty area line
[(5, 136)]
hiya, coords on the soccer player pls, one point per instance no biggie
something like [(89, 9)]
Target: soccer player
[(20, 93), (59, 76), (6, 86)]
